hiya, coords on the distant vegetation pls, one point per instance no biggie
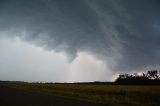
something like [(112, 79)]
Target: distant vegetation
[(149, 78)]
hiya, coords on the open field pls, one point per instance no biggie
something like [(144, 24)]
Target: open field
[(16, 97), (112, 95)]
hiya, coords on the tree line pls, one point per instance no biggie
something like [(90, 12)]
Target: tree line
[(151, 77)]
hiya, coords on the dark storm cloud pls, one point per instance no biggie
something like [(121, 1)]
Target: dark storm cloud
[(126, 34), (143, 39)]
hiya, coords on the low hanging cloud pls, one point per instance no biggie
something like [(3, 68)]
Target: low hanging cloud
[(123, 34)]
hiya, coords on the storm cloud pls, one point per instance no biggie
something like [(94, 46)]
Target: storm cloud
[(123, 34)]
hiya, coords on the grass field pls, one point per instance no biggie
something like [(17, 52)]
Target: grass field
[(116, 95)]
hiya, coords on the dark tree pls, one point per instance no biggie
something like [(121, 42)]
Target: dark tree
[(153, 74), (150, 78)]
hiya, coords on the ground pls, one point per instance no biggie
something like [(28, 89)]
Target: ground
[(14, 97), (62, 94)]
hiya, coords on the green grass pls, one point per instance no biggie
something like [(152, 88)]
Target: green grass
[(116, 95)]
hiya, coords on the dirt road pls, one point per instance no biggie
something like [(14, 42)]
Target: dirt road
[(13, 97)]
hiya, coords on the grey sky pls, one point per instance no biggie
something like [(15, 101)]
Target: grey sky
[(122, 35)]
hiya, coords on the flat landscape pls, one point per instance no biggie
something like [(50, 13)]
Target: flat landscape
[(40, 94), (14, 97)]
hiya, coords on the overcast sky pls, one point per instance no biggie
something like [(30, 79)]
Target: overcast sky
[(77, 40)]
